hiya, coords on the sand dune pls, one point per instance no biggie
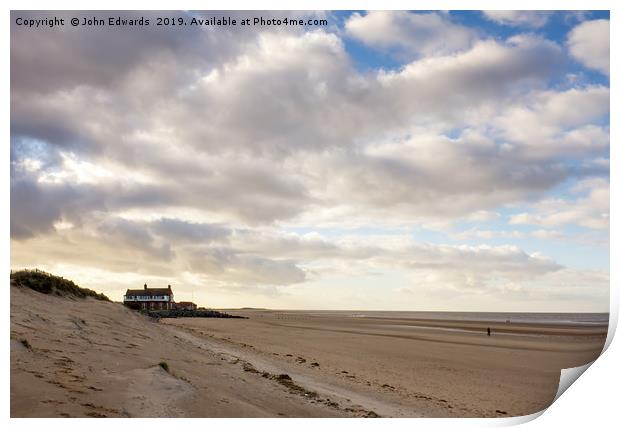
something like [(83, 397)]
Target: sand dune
[(82, 357), (87, 358)]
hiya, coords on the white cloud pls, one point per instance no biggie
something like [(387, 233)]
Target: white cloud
[(591, 210), (422, 179), (519, 18), (228, 138), (288, 104), (588, 42), (547, 234), (482, 234), (421, 34), (476, 270), (474, 233), (547, 124), (270, 257)]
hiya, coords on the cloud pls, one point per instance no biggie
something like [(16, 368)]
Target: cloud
[(508, 261), (590, 211), (547, 234), (251, 257), (518, 18), (176, 230), (547, 125), (489, 271), (129, 234), (420, 34), (564, 286), (121, 54), (481, 234), (460, 88), (27, 219), (225, 264), (425, 179), (201, 152), (282, 100), (588, 42), (68, 202)]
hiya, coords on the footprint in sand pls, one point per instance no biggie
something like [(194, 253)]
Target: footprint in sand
[(94, 388), (52, 402)]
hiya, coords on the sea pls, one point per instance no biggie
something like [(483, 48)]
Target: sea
[(595, 318)]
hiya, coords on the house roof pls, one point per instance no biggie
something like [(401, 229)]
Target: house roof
[(149, 292), (185, 303)]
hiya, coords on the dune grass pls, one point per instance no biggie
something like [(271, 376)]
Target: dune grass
[(47, 283)]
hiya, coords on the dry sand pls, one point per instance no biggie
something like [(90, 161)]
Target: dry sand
[(93, 358)]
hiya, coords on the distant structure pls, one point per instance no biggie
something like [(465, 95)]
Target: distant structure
[(186, 306), (150, 298)]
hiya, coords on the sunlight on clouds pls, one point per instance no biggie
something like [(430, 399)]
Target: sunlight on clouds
[(369, 159), (525, 18), (589, 43)]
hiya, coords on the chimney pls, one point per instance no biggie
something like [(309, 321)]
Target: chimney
[(145, 285), (169, 287)]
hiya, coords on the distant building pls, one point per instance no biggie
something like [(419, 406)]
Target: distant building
[(150, 298), (186, 306)]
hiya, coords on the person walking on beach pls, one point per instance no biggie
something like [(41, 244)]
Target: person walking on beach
[(488, 331)]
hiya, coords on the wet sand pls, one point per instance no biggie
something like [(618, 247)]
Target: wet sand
[(77, 358), (413, 367)]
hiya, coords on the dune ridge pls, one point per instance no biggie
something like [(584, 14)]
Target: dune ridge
[(90, 358)]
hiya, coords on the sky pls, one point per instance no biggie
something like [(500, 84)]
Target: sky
[(389, 160)]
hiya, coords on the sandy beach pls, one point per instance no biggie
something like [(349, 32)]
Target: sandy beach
[(77, 358)]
